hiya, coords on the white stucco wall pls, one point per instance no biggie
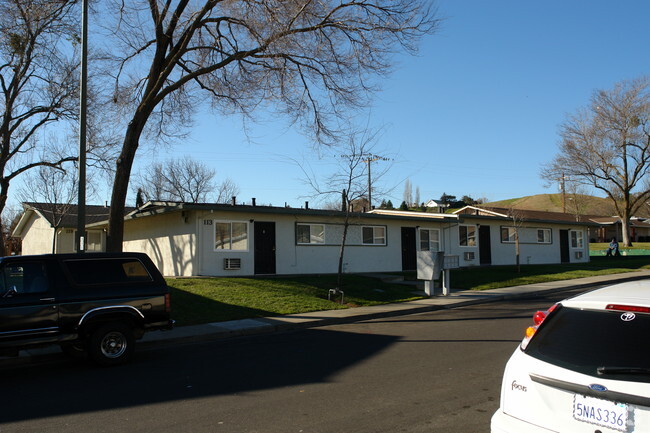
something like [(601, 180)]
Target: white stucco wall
[(530, 251), (169, 239), (294, 258), (37, 236)]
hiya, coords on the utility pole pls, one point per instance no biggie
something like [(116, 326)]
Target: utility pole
[(369, 159), (563, 188), (81, 202)]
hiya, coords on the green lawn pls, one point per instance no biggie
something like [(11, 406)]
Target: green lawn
[(638, 248), (204, 300)]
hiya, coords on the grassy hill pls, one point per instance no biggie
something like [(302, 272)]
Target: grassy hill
[(575, 203)]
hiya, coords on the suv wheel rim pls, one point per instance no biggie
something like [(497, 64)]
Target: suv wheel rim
[(113, 344)]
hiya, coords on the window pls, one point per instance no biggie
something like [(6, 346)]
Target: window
[(543, 236), (577, 240), (310, 233), (230, 236), (93, 241), (107, 271), (24, 278), (373, 235), (573, 339), (467, 236), (508, 234), (429, 240)]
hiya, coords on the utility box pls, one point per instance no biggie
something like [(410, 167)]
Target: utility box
[(430, 264), (430, 267)]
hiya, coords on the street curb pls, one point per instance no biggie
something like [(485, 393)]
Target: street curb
[(268, 325), (271, 325)]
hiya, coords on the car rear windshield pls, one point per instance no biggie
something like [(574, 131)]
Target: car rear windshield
[(586, 340), (107, 271)]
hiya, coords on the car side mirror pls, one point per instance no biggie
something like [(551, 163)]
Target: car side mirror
[(10, 293)]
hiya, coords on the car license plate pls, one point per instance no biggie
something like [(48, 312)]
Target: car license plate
[(600, 412)]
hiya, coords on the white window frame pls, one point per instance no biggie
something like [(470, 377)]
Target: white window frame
[(216, 223), (511, 234), (577, 239), (378, 235), (431, 244), (86, 243), (313, 240), (468, 238), (544, 237)]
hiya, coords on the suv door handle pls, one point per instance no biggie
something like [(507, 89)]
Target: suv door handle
[(48, 299)]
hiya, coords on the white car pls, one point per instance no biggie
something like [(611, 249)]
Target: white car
[(583, 367)]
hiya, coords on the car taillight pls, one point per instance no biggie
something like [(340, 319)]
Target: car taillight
[(538, 318), (168, 303), (632, 308)]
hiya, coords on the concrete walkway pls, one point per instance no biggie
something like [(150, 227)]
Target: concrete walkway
[(236, 328), (243, 327)]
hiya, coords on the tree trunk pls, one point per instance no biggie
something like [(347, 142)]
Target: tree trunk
[(115, 233), (4, 189), (517, 256), (54, 241), (625, 226), (339, 277)]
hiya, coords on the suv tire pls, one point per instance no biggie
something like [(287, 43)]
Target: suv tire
[(111, 344)]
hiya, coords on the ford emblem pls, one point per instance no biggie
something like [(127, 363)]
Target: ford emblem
[(597, 387)]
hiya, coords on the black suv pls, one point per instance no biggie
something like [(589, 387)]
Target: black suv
[(94, 304)]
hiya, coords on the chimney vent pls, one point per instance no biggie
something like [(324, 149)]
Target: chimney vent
[(234, 200)]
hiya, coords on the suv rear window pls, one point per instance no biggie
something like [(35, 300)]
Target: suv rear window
[(584, 340), (107, 271)]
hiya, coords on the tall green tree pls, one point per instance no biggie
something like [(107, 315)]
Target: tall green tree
[(308, 60)]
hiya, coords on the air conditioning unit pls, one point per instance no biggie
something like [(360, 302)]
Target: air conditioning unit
[(470, 255), (232, 264), (579, 254)]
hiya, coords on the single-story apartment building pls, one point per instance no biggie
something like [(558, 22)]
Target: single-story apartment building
[(542, 237), (195, 239)]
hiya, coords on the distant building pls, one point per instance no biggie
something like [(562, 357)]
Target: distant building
[(437, 206)]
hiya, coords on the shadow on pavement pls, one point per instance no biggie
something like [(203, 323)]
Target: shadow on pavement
[(182, 372)]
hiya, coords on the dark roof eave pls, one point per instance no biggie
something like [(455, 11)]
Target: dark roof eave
[(529, 220)]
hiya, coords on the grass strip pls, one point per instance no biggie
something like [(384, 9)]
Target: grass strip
[(205, 300)]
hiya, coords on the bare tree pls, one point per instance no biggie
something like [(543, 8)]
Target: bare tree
[(517, 218), (56, 189), (184, 180), (309, 60), (12, 245), (38, 83), (408, 193), (607, 146), (349, 182)]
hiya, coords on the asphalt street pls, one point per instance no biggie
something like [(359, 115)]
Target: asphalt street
[(438, 371)]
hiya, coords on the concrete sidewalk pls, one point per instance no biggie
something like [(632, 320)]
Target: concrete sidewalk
[(244, 327), (236, 328)]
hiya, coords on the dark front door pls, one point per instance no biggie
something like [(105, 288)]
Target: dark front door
[(409, 255), (564, 246), (484, 246), (264, 247)]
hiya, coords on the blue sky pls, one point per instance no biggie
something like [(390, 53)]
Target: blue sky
[(476, 113)]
